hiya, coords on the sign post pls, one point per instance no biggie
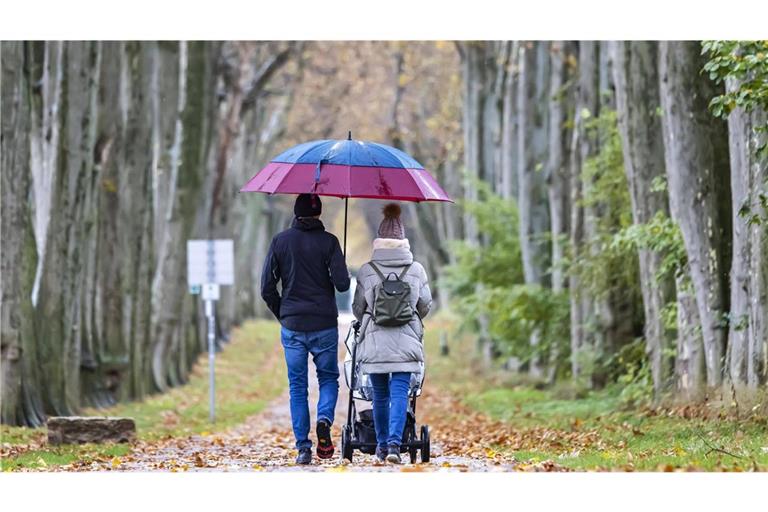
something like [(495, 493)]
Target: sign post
[(210, 263)]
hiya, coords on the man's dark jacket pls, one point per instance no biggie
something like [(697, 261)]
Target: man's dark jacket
[(307, 260)]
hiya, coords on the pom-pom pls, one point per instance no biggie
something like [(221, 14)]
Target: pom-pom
[(391, 211)]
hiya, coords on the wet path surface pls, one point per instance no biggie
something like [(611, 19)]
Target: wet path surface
[(264, 442)]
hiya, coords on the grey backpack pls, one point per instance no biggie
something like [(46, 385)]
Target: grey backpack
[(392, 299)]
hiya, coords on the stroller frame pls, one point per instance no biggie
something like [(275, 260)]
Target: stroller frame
[(350, 435)]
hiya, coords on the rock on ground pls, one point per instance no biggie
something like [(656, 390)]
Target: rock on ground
[(79, 429)]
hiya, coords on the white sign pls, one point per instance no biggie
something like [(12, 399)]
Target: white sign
[(210, 262), (210, 292)]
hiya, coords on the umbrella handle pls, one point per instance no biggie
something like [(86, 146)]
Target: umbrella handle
[(346, 207)]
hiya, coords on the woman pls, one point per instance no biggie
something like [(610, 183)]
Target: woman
[(391, 354)]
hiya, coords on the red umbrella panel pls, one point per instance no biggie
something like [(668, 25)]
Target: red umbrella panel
[(398, 184)]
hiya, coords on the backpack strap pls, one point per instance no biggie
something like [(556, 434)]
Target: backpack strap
[(381, 276), (376, 269)]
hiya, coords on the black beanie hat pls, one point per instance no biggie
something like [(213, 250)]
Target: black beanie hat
[(307, 205)]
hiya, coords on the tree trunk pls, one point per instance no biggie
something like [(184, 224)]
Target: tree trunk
[(532, 194), (476, 86), (558, 180), (637, 102), (690, 370), (560, 104), (748, 308), (583, 146), (21, 398), (190, 137), (757, 349), (61, 284), (508, 187), (473, 74), (696, 158)]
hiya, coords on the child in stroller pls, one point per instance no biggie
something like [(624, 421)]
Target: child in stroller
[(359, 432)]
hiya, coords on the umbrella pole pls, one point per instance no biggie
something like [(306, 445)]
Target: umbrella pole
[(346, 207)]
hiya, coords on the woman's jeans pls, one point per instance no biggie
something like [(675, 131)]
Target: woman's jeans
[(324, 347), (390, 403)]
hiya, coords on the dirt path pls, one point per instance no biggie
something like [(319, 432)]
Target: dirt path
[(264, 442)]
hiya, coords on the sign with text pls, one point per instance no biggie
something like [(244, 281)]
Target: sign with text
[(210, 262)]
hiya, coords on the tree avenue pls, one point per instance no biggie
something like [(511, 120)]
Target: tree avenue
[(610, 228)]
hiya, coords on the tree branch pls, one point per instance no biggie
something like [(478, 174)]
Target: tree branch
[(713, 448), (262, 76)]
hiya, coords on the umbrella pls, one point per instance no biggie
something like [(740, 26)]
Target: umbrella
[(347, 168)]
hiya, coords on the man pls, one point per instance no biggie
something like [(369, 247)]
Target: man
[(309, 263)]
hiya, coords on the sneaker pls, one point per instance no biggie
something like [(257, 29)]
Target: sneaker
[(304, 457), (381, 453), (324, 442), (393, 454)]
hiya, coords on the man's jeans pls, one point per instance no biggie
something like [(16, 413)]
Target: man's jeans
[(390, 403), (323, 345)]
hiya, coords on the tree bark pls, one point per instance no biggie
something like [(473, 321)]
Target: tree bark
[(583, 146), (532, 194), (60, 302), (696, 158), (638, 103), (508, 188), (558, 180), (21, 397), (748, 305), (169, 331), (690, 371)]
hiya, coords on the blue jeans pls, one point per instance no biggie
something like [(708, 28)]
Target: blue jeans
[(323, 345), (390, 403)]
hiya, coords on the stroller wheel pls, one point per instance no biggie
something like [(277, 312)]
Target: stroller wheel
[(413, 448), (424, 443), (346, 443)]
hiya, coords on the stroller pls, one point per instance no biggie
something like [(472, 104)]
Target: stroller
[(359, 432)]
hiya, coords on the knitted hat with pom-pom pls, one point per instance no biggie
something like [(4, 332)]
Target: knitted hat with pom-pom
[(391, 226)]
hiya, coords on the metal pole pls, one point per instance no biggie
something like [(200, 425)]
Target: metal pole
[(211, 358), (346, 207)]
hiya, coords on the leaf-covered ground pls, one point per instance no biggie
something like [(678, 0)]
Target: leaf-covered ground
[(480, 420), (250, 373), (595, 432), (251, 434)]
